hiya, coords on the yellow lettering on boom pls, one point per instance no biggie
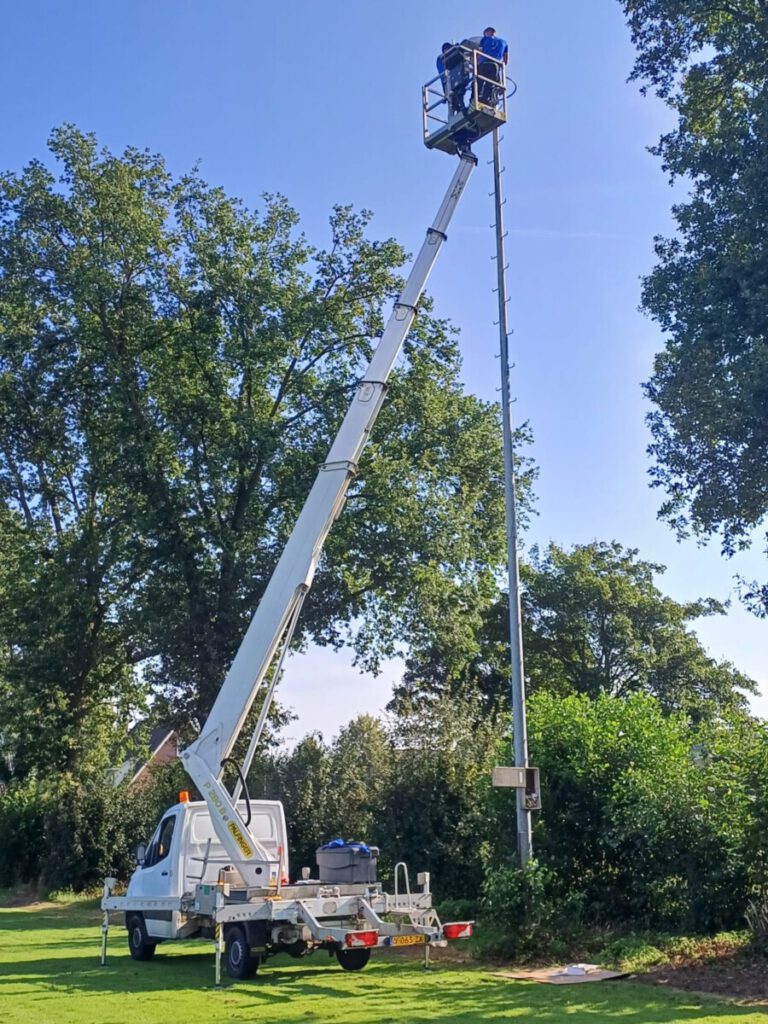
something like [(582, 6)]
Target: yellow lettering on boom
[(240, 839)]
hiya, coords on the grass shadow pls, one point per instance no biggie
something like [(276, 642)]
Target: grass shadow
[(385, 991), (56, 976)]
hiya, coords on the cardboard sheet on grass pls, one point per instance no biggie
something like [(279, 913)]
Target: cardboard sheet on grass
[(570, 974)]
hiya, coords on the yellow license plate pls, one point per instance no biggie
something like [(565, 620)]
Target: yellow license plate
[(407, 940)]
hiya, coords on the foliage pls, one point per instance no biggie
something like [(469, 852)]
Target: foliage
[(360, 773), (458, 909), (634, 953), (708, 292), (67, 693), (645, 817), (416, 791), (640, 951), (72, 832), (332, 790), (435, 815), (736, 754), (649, 820), (89, 833), (597, 623), (173, 368), (594, 621), (523, 908), (303, 783), (21, 826)]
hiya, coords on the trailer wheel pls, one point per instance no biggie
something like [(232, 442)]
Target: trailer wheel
[(353, 959), (241, 963), (138, 941)]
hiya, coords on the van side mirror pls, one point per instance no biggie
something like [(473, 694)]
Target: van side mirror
[(141, 854)]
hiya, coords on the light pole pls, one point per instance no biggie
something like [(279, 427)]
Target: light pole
[(517, 677)]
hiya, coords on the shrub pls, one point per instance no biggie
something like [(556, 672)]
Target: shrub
[(90, 832), (524, 912), (633, 953), (644, 815), (71, 834), (458, 910), (21, 828)]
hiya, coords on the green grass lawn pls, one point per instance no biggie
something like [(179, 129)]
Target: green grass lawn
[(49, 974)]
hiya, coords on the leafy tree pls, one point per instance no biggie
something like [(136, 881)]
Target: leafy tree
[(597, 623), (173, 368), (416, 789), (644, 818), (303, 783), (67, 692), (709, 61), (360, 779), (336, 790), (435, 817), (71, 832), (594, 621)]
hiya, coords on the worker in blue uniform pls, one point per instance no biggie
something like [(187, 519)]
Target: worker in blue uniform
[(488, 71), (440, 62), (454, 74)]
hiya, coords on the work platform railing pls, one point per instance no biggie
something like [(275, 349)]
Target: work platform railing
[(467, 101)]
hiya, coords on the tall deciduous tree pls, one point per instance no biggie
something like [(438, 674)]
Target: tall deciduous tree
[(708, 59), (594, 622), (334, 790), (173, 368), (435, 814)]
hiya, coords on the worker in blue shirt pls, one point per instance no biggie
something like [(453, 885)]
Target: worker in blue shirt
[(454, 75), (488, 71), (441, 62)]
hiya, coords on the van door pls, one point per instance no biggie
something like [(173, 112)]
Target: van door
[(159, 875)]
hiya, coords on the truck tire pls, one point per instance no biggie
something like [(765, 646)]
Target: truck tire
[(353, 959), (138, 941), (241, 962)]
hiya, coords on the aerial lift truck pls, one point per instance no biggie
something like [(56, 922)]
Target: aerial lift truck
[(218, 867)]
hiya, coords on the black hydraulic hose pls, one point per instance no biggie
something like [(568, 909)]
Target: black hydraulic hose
[(246, 795)]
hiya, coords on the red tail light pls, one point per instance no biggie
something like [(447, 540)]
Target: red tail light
[(370, 938), (458, 930)]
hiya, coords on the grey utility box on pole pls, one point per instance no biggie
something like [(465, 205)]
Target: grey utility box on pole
[(525, 779)]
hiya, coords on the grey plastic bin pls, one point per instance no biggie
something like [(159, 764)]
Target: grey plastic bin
[(348, 864)]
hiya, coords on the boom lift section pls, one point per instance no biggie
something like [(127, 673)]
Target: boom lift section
[(275, 618)]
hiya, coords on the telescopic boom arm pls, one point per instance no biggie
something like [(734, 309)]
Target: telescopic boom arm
[(273, 622)]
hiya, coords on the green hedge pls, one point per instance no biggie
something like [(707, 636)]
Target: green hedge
[(71, 834)]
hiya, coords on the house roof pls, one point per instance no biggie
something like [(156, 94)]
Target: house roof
[(158, 736), (132, 768)]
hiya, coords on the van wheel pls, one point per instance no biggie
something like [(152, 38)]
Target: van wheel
[(138, 941), (241, 963), (353, 959)]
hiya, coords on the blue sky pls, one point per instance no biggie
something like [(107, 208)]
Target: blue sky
[(321, 101)]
